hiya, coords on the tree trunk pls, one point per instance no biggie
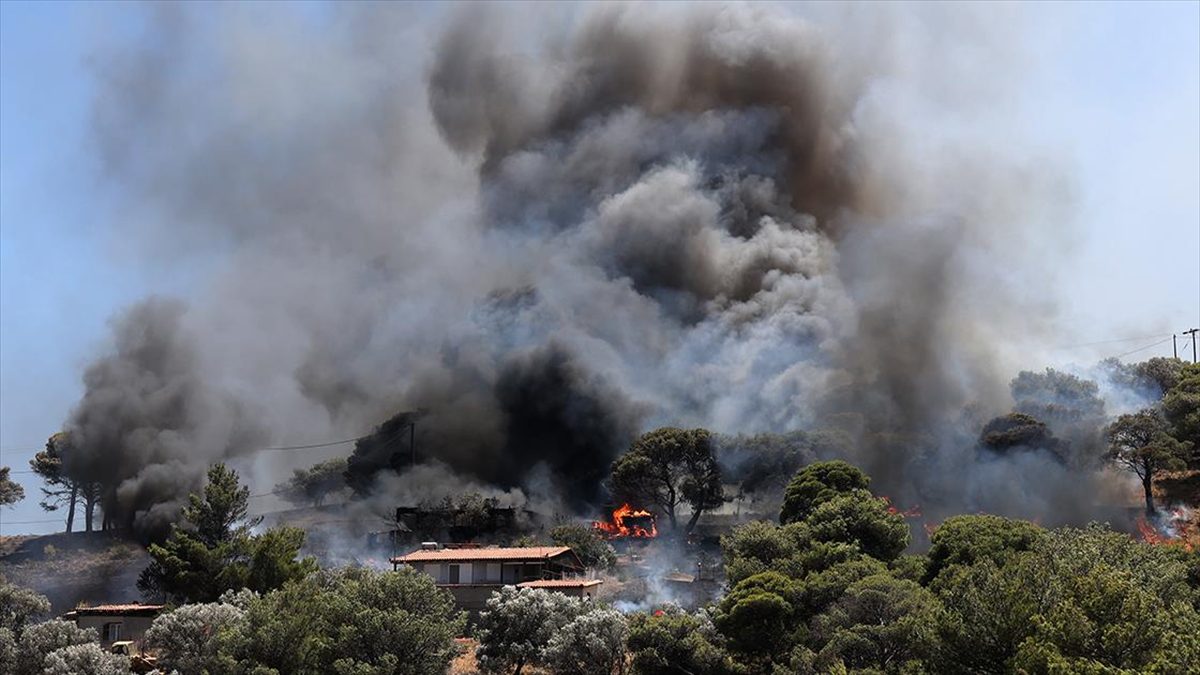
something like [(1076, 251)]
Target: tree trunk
[(71, 509), (89, 511), (1148, 486), (692, 521)]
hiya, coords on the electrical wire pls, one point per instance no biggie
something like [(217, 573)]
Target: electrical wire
[(1142, 349), (30, 522), (273, 448), (1106, 342)]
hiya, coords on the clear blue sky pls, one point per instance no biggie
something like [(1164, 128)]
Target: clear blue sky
[(1116, 96)]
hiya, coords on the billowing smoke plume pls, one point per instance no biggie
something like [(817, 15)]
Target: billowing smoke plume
[(552, 231), (149, 423)]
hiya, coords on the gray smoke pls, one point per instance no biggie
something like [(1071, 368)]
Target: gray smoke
[(553, 230)]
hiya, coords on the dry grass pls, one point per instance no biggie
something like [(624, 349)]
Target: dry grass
[(69, 569), (465, 664), (1178, 487)]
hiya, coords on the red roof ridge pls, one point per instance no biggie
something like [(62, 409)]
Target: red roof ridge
[(119, 608), (495, 553)]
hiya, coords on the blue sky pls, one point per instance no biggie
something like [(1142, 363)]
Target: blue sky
[(1115, 96)]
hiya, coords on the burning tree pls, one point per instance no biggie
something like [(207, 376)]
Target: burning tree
[(1141, 442), (669, 468)]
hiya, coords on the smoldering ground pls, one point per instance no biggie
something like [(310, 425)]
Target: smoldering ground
[(554, 229)]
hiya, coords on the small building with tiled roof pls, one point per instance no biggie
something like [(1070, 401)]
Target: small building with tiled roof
[(472, 574), (115, 622)]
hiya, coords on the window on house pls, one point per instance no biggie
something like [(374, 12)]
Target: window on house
[(112, 631), (493, 572), (455, 572)]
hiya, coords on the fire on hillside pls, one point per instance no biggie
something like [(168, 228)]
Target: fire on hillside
[(1167, 528), (628, 522)]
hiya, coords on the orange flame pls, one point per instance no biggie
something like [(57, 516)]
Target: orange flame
[(628, 522), (1151, 535), (914, 512)]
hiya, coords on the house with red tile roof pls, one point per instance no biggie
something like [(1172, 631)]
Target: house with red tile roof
[(472, 574), (116, 622)]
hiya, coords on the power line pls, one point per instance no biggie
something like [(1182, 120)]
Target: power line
[(1106, 342), (30, 522), (313, 445), (1142, 349), (272, 448), (391, 439)]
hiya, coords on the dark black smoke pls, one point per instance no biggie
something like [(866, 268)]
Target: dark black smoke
[(149, 423), (553, 417)]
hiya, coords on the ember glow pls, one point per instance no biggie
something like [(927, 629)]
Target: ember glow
[(1168, 528), (914, 512), (627, 521)]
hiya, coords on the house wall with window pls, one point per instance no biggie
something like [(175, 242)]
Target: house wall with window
[(471, 575), (114, 623)]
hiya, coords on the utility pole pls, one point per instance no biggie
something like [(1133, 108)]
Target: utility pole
[(1193, 332)]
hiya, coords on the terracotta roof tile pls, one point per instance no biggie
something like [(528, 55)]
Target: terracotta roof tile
[(131, 608), (451, 554)]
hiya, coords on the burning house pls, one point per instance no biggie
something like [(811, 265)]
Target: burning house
[(472, 574), (627, 522)]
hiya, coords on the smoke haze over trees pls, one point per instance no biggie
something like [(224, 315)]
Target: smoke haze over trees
[(553, 231)]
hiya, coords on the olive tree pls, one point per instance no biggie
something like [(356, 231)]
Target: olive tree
[(38, 640), (19, 605), (185, 638), (347, 620), (517, 627), (85, 659), (593, 643)]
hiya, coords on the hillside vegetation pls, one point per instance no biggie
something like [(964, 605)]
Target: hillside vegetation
[(74, 568)]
